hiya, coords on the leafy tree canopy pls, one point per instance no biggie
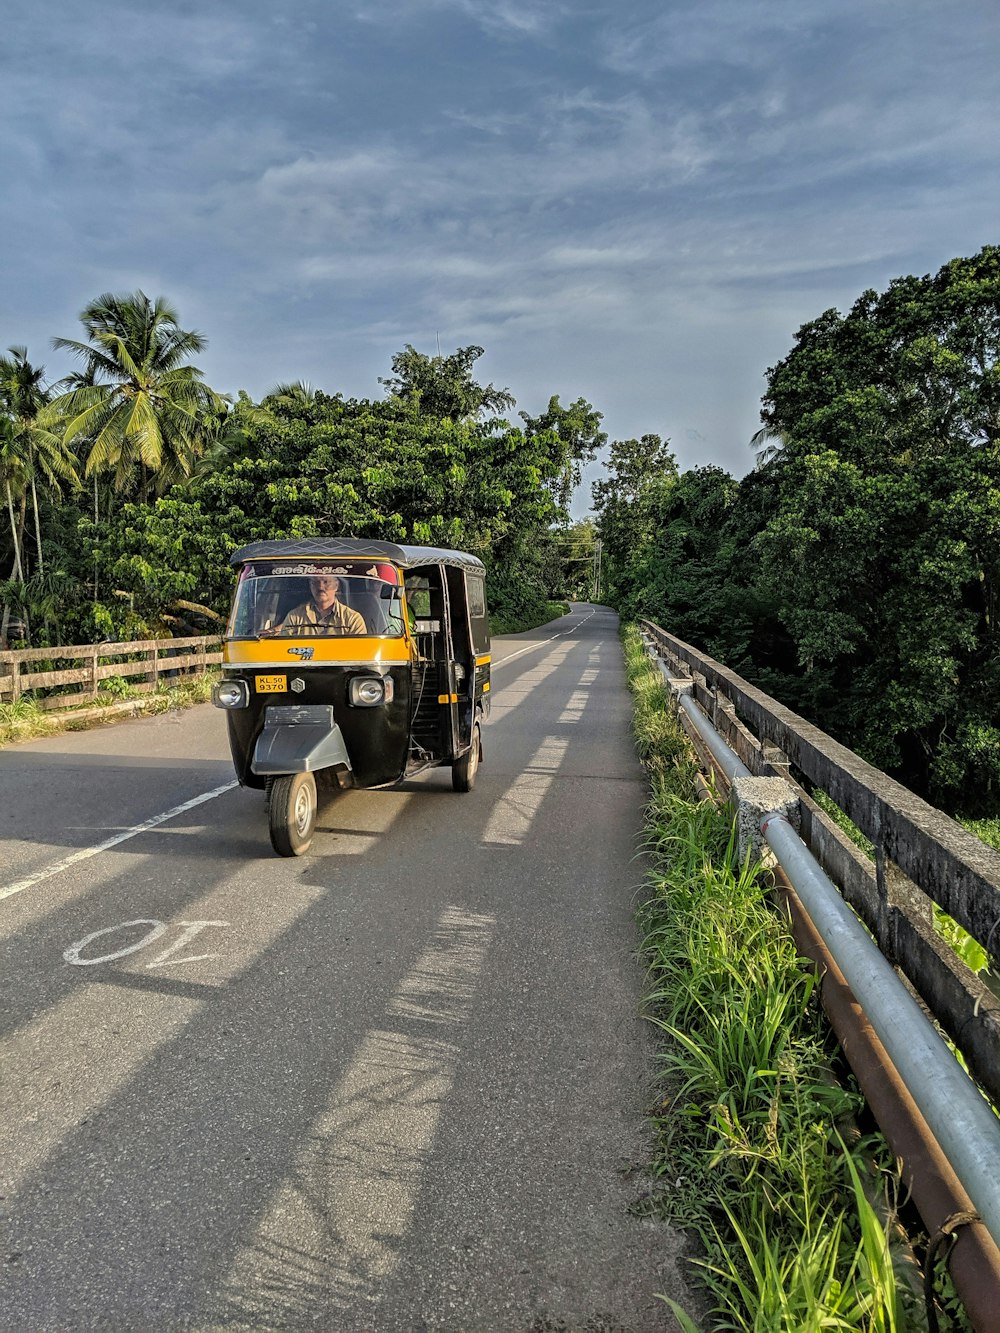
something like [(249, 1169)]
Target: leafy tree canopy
[(318, 465), (444, 386)]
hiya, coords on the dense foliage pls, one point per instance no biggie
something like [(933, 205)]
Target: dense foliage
[(174, 477), (855, 572)]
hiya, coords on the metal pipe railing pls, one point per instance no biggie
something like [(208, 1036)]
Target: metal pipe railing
[(955, 1110), (958, 1115)]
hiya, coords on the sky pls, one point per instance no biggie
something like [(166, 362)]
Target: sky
[(635, 203)]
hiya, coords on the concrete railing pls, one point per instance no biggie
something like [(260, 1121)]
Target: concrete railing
[(87, 665), (921, 856)]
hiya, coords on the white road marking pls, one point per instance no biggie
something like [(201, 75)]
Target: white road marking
[(72, 954), (541, 643), (192, 928), (156, 929), (84, 854)]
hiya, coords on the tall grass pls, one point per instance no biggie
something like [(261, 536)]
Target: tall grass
[(794, 1226)]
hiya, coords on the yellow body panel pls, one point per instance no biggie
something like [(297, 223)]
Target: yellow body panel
[(342, 650)]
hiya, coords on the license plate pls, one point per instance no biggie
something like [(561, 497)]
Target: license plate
[(272, 684)]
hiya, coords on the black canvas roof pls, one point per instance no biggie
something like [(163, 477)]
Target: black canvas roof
[(354, 548)]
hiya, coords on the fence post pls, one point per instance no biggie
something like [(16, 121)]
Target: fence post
[(898, 895), (154, 665), (201, 668), (93, 655), (15, 678)]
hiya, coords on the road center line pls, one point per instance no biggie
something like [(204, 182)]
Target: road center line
[(85, 853), (542, 642)]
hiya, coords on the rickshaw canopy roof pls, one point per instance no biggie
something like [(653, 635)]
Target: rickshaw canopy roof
[(355, 548)]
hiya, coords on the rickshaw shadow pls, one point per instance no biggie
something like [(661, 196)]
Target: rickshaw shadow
[(414, 788)]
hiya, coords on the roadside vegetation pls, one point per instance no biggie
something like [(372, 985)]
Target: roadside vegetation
[(518, 625), (127, 485), (854, 573), (27, 720), (758, 1150)]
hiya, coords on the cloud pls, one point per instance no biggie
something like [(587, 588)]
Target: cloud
[(635, 204), (496, 17)]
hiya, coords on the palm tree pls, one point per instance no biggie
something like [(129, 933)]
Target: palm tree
[(12, 475), (768, 444), (137, 402), (299, 392), (31, 448)]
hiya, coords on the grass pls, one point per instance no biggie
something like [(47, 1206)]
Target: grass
[(795, 1227), (987, 830), (27, 720)]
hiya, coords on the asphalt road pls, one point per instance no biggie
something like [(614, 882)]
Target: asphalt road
[(395, 1084)]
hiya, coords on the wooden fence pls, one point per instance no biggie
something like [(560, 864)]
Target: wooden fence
[(921, 856), (89, 664)]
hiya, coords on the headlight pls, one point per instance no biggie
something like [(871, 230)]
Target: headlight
[(231, 694), (369, 691)]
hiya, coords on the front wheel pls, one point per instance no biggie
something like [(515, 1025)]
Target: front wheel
[(464, 770), (291, 813)]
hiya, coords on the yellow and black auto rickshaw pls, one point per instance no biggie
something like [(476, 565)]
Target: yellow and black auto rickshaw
[(360, 662)]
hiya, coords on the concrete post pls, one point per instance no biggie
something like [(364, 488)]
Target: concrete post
[(756, 798)]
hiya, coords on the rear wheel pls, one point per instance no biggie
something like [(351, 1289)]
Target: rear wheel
[(464, 770), (291, 813)]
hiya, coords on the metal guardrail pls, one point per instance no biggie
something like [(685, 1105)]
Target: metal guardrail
[(921, 855), (945, 1136), (151, 659)]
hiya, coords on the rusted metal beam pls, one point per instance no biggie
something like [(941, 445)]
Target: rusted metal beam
[(974, 1262)]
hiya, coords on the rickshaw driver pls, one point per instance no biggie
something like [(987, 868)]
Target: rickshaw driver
[(324, 613)]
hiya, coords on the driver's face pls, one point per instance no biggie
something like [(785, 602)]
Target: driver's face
[(324, 591)]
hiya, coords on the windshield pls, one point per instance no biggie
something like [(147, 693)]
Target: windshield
[(312, 600)]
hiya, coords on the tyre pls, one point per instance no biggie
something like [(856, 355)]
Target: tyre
[(464, 770), (291, 813)]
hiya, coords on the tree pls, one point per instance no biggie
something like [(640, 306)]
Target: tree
[(577, 431), (31, 450), (443, 386), (908, 373), (578, 544), (138, 403), (628, 504), (878, 548), (383, 470)]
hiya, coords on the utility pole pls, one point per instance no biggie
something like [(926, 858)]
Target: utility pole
[(597, 569)]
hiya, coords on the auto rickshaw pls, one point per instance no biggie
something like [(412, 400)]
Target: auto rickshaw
[(361, 686)]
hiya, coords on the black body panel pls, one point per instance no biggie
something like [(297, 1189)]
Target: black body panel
[(376, 739)]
